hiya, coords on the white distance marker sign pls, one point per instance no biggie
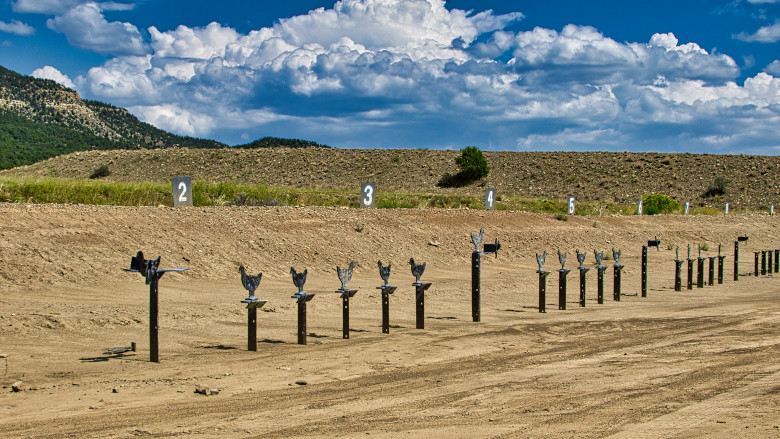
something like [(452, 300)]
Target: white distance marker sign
[(368, 195), (639, 208), (490, 199), (182, 191), (571, 205)]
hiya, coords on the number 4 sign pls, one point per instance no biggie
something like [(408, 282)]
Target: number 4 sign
[(490, 199), (182, 191), (367, 194)]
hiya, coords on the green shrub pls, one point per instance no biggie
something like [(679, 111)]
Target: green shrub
[(718, 187), (473, 166), (654, 204), (99, 172)]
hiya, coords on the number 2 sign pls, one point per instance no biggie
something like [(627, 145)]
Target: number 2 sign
[(182, 191)]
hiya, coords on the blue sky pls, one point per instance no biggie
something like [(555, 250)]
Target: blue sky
[(667, 76)]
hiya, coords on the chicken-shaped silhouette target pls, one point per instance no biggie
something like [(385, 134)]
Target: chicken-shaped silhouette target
[(477, 240), (384, 272), (540, 260), (345, 274), (599, 257), (249, 281), (562, 259), (581, 257), (299, 279), (417, 269)]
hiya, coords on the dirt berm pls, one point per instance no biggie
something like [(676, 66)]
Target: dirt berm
[(701, 362)]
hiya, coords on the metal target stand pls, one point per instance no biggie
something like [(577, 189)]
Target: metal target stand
[(654, 243), (476, 272), (542, 281), (562, 273), (387, 290), (583, 272), (601, 269), (252, 305), (149, 269), (302, 298), (420, 288), (345, 274)]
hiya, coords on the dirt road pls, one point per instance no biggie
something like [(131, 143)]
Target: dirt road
[(703, 362)]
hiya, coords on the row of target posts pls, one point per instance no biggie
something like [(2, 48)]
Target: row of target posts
[(151, 271)]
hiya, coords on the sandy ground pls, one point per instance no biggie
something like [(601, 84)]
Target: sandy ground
[(701, 362)]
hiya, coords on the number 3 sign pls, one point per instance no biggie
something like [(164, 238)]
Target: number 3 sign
[(182, 191), (367, 194)]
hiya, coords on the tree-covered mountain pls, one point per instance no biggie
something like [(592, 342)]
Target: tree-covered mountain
[(276, 142), (40, 118)]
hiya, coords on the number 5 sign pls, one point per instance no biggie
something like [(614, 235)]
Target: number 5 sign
[(182, 191), (367, 195)]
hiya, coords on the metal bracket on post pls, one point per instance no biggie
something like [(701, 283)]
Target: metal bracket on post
[(345, 274), (601, 269), (302, 297), (690, 268), (756, 268), (476, 271), (252, 305), (654, 243), (700, 268), (711, 280), (763, 262), (736, 255), (542, 281), (618, 269), (149, 269), (769, 262), (678, 271), (387, 290), (562, 280), (583, 273)]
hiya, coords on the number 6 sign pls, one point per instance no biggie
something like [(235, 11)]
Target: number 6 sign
[(182, 191), (367, 195)]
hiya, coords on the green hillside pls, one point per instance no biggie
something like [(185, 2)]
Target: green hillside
[(40, 118)]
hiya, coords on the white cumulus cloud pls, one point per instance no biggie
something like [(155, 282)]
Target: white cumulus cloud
[(414, 73), (85, 26), (44, 6), (49, 72), (16, 27), (766, 34)]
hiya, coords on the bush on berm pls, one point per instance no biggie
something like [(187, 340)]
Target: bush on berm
[(473, 166), (653, 204)]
